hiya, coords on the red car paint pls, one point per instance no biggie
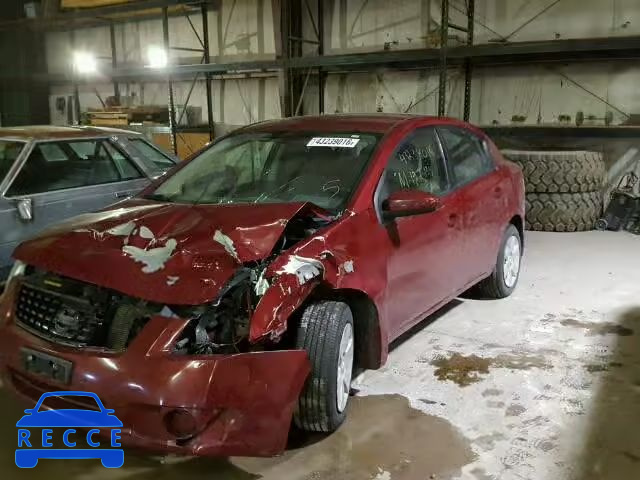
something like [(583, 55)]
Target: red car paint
[(406, 268), (242, 403), (84, 250)]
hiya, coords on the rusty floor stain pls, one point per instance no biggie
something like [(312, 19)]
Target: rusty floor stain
[(461, 369), (592, 328), (467, 369)]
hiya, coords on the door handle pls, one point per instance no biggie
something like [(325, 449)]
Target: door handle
[(497, 192), (122, 194), (452, 221)]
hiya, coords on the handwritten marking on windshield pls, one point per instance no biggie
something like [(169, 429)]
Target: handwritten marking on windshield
[(332, 186)]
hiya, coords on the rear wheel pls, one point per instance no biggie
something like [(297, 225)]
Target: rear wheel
[(326, 333), (504, 278)]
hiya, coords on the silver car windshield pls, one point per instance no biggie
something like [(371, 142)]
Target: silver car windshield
[(9, 151)]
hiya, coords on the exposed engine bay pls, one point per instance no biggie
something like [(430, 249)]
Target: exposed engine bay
[(223, 326), (79, 314)]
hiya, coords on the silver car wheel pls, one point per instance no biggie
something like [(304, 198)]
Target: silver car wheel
[(345, 367), (511, 263)]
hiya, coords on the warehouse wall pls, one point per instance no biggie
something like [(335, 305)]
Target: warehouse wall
[(239, 31), (498, 93), (243, 29)]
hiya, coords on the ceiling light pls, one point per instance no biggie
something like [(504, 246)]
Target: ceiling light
[(84, 63), (157, 57)]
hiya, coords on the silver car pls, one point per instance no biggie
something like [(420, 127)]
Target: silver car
[(51, 173)]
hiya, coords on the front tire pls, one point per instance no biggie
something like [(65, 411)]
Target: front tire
[(326, 333), (504, 278)]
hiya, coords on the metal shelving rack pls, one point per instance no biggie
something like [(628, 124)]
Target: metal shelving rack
[(294, 69)]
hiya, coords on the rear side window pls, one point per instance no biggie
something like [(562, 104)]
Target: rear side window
[(126, 169), (9, 152), (61, 165), (150, 152), (467, 157)]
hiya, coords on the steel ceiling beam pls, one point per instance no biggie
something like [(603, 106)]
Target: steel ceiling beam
[(554, 51), (488, 54), (120, 8)]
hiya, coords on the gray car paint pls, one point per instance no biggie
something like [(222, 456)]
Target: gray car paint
[(52, 207)]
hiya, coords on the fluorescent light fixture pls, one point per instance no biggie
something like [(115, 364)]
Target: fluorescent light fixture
[(84, 62), (157, 57)]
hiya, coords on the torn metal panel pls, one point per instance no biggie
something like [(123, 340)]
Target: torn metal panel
[(146, 233), (122, 230), (285, 296), (134, 248), (227, 243), (305, 269), (153, 259), (242, 404), (261, 284), (293, 278)]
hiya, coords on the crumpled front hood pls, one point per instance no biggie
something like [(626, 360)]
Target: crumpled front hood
[(166, 253)]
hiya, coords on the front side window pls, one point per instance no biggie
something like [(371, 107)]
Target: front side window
[(418, 165), (466, 154), (9, 152), (273, 168), (61, 165)]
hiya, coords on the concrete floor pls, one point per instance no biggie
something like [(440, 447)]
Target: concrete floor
[(543, 385)]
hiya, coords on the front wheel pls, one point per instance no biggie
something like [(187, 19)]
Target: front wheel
[(504, 278), (326, 333)]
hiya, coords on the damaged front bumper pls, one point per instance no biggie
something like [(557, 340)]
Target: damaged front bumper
[(238, 404)]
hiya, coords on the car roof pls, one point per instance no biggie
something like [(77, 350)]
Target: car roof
[(369, 123), (53, 132)]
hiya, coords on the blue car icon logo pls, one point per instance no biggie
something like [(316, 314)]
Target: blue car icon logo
[(34, 445)]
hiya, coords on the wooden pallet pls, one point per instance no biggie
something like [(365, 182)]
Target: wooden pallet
[(108, 118), (90, 3)]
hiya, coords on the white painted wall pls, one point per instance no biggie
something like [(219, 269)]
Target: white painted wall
[(498, 93), (537, 92)]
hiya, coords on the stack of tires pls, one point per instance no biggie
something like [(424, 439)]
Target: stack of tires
[(563, 188)]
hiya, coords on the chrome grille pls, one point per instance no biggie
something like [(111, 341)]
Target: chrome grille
[(59, 317)]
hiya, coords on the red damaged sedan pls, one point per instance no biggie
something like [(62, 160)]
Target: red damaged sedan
[(244, 288)]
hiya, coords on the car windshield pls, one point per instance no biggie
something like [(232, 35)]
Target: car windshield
[(9, 151), (273, 168)]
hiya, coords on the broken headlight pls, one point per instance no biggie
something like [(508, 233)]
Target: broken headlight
[(17, 270)]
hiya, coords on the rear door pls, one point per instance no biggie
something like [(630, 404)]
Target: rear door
[(65, 178), (483, 189), (424, 267)]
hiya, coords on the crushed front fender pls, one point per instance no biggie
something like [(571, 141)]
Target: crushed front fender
[(283, 297), (242, 403)]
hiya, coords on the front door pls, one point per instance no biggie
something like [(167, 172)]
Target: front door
[(424, 265), (61, 180)]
